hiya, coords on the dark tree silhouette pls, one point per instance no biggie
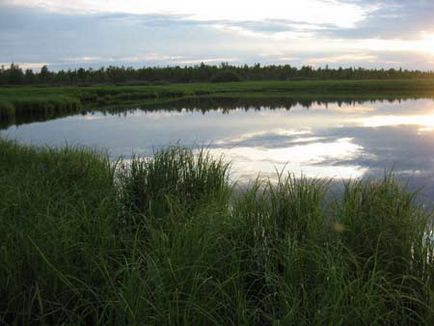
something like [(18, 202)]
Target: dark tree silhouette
[(14, 75)]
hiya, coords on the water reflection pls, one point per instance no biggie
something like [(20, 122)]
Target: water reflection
[(225, 104), (425, 121), (330, 139), (312, 159)]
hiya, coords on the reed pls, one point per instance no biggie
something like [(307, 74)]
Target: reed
[(168, 240)]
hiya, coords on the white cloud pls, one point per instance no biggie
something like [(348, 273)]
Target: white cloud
[(350, 57), (316, 32), (26, 65), (311, 11)]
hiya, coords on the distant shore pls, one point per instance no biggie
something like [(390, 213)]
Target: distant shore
[(23, 101)]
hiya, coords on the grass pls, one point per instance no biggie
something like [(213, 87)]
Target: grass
[(168, 241), (20, 102)]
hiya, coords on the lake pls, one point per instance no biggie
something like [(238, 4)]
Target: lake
[(331, 140)]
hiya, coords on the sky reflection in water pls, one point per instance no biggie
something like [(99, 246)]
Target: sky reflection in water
[(344, 141)]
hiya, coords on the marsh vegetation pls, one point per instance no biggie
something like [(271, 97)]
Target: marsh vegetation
[(21, 103), (169, 240)]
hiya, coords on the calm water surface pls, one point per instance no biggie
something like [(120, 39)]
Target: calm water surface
[(324, 140)]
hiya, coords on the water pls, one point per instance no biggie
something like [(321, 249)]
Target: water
[(323, 140)]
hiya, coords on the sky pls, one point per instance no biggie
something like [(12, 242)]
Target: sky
[(94, 33)]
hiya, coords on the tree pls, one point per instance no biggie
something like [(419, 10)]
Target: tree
[(29, 76), (16, 75), (44, 75)]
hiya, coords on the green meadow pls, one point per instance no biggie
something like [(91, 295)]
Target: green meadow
[(170, 240)]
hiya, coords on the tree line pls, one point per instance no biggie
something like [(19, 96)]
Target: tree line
[(15, 75)]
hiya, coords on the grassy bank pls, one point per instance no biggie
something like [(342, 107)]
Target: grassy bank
[(18, 102), (168, 241)]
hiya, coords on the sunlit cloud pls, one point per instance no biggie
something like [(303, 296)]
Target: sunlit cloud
[(26, 65), (380, 33), (423, 44), (314, 11), (357, 58)]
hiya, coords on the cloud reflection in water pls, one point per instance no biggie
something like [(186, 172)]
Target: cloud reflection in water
[(281, 150), (333, 140)]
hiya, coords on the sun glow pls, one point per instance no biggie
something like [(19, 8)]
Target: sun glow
[(424, 122), (424, 44), (428, 43)]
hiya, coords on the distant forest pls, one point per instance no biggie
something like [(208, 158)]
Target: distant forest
[(14, 75)]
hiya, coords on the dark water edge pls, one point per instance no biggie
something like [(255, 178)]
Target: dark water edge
[(224, 103)]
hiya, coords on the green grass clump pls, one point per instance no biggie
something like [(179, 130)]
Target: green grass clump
[(173, 177), (56, 216), (169, 241)]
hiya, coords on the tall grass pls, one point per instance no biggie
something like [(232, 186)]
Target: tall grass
[(173, 177), (168, 241)]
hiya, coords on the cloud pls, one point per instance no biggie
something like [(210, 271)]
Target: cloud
[(391, 19), (34, 35), (313, 11), (64, 33)]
